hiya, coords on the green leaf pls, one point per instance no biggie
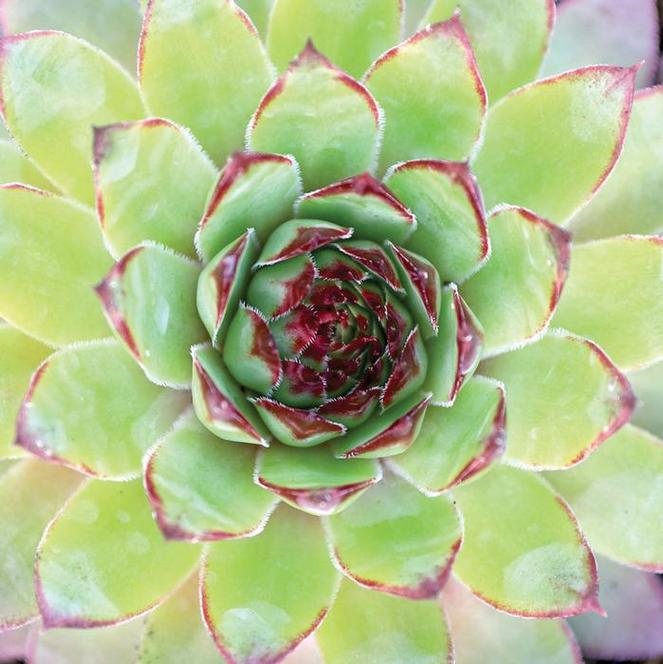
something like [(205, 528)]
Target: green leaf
[(631, 199), (31, 492), (103, 559), (432, 95), (565, 398), (258, 11), (16, 167), (322, 116), (149, 300), (367, 626), (77, 411), (482, 634), (174, 632), (201, 487), (54, 88), (456, 443), (570, 127), (152, 181), (515, 294), (647, 386), (614, 295), (313, 480), (20, 355), (396, 540), (51, 255), (447, 203), (617, 496), (358, 36), (201, 63), (523, 552), (508, 38), (260, 612)]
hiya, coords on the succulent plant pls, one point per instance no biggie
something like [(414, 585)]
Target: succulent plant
[(297, 341)]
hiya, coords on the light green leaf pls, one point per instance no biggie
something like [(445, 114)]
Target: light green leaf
[(618, 497), (570, 127), (367, 627), (152, 182), (31, 492), (432, 96), (201, 64), (258, 11), (54, 88), (515, 293), (565, 397), (322, 116), (16, 167), (647, 386), (51, 255), (360, 32), (523, 552), (614, 296), (201, 487), (258, 611), (103, 559)]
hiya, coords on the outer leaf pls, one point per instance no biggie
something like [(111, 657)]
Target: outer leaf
[(152, 181), (447, 204), (515, 294), (258, 612), (367, 626), (622, 307), (522, 550), (201, 487), (258, 11), (149, 300), (359, 35), (647, 385), (103, 560), (481, 634), (30, 494), (16, 167), (53, 88), (77, 411), (618, 497), (509, 39), (394, 539), (51, 254), (432, 95), (216, 100), (321, 115), (570, 127)]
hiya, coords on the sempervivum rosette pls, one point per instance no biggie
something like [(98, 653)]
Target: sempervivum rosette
[(270, 369)]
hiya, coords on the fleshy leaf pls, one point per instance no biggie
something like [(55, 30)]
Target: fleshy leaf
[(77, 412), (313, 480), (396, 540), (16, 167), (647, 386), (408, 372), (14, 643), (152, 181), (622, 307), (456, 443), (570, 127), (515, 294), (357, 38), (215, 100), (103, 559), (617, 496), (51, 255), (447, 203), (19, 358), (149, 300), (53, 88), (368, 626), (259, 187), (201, 487), (523, 552), (258, 612), (321, 115), (565, 398), (432, 96), (258, 11), (508, 39), (482, 634), (30, 494)]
